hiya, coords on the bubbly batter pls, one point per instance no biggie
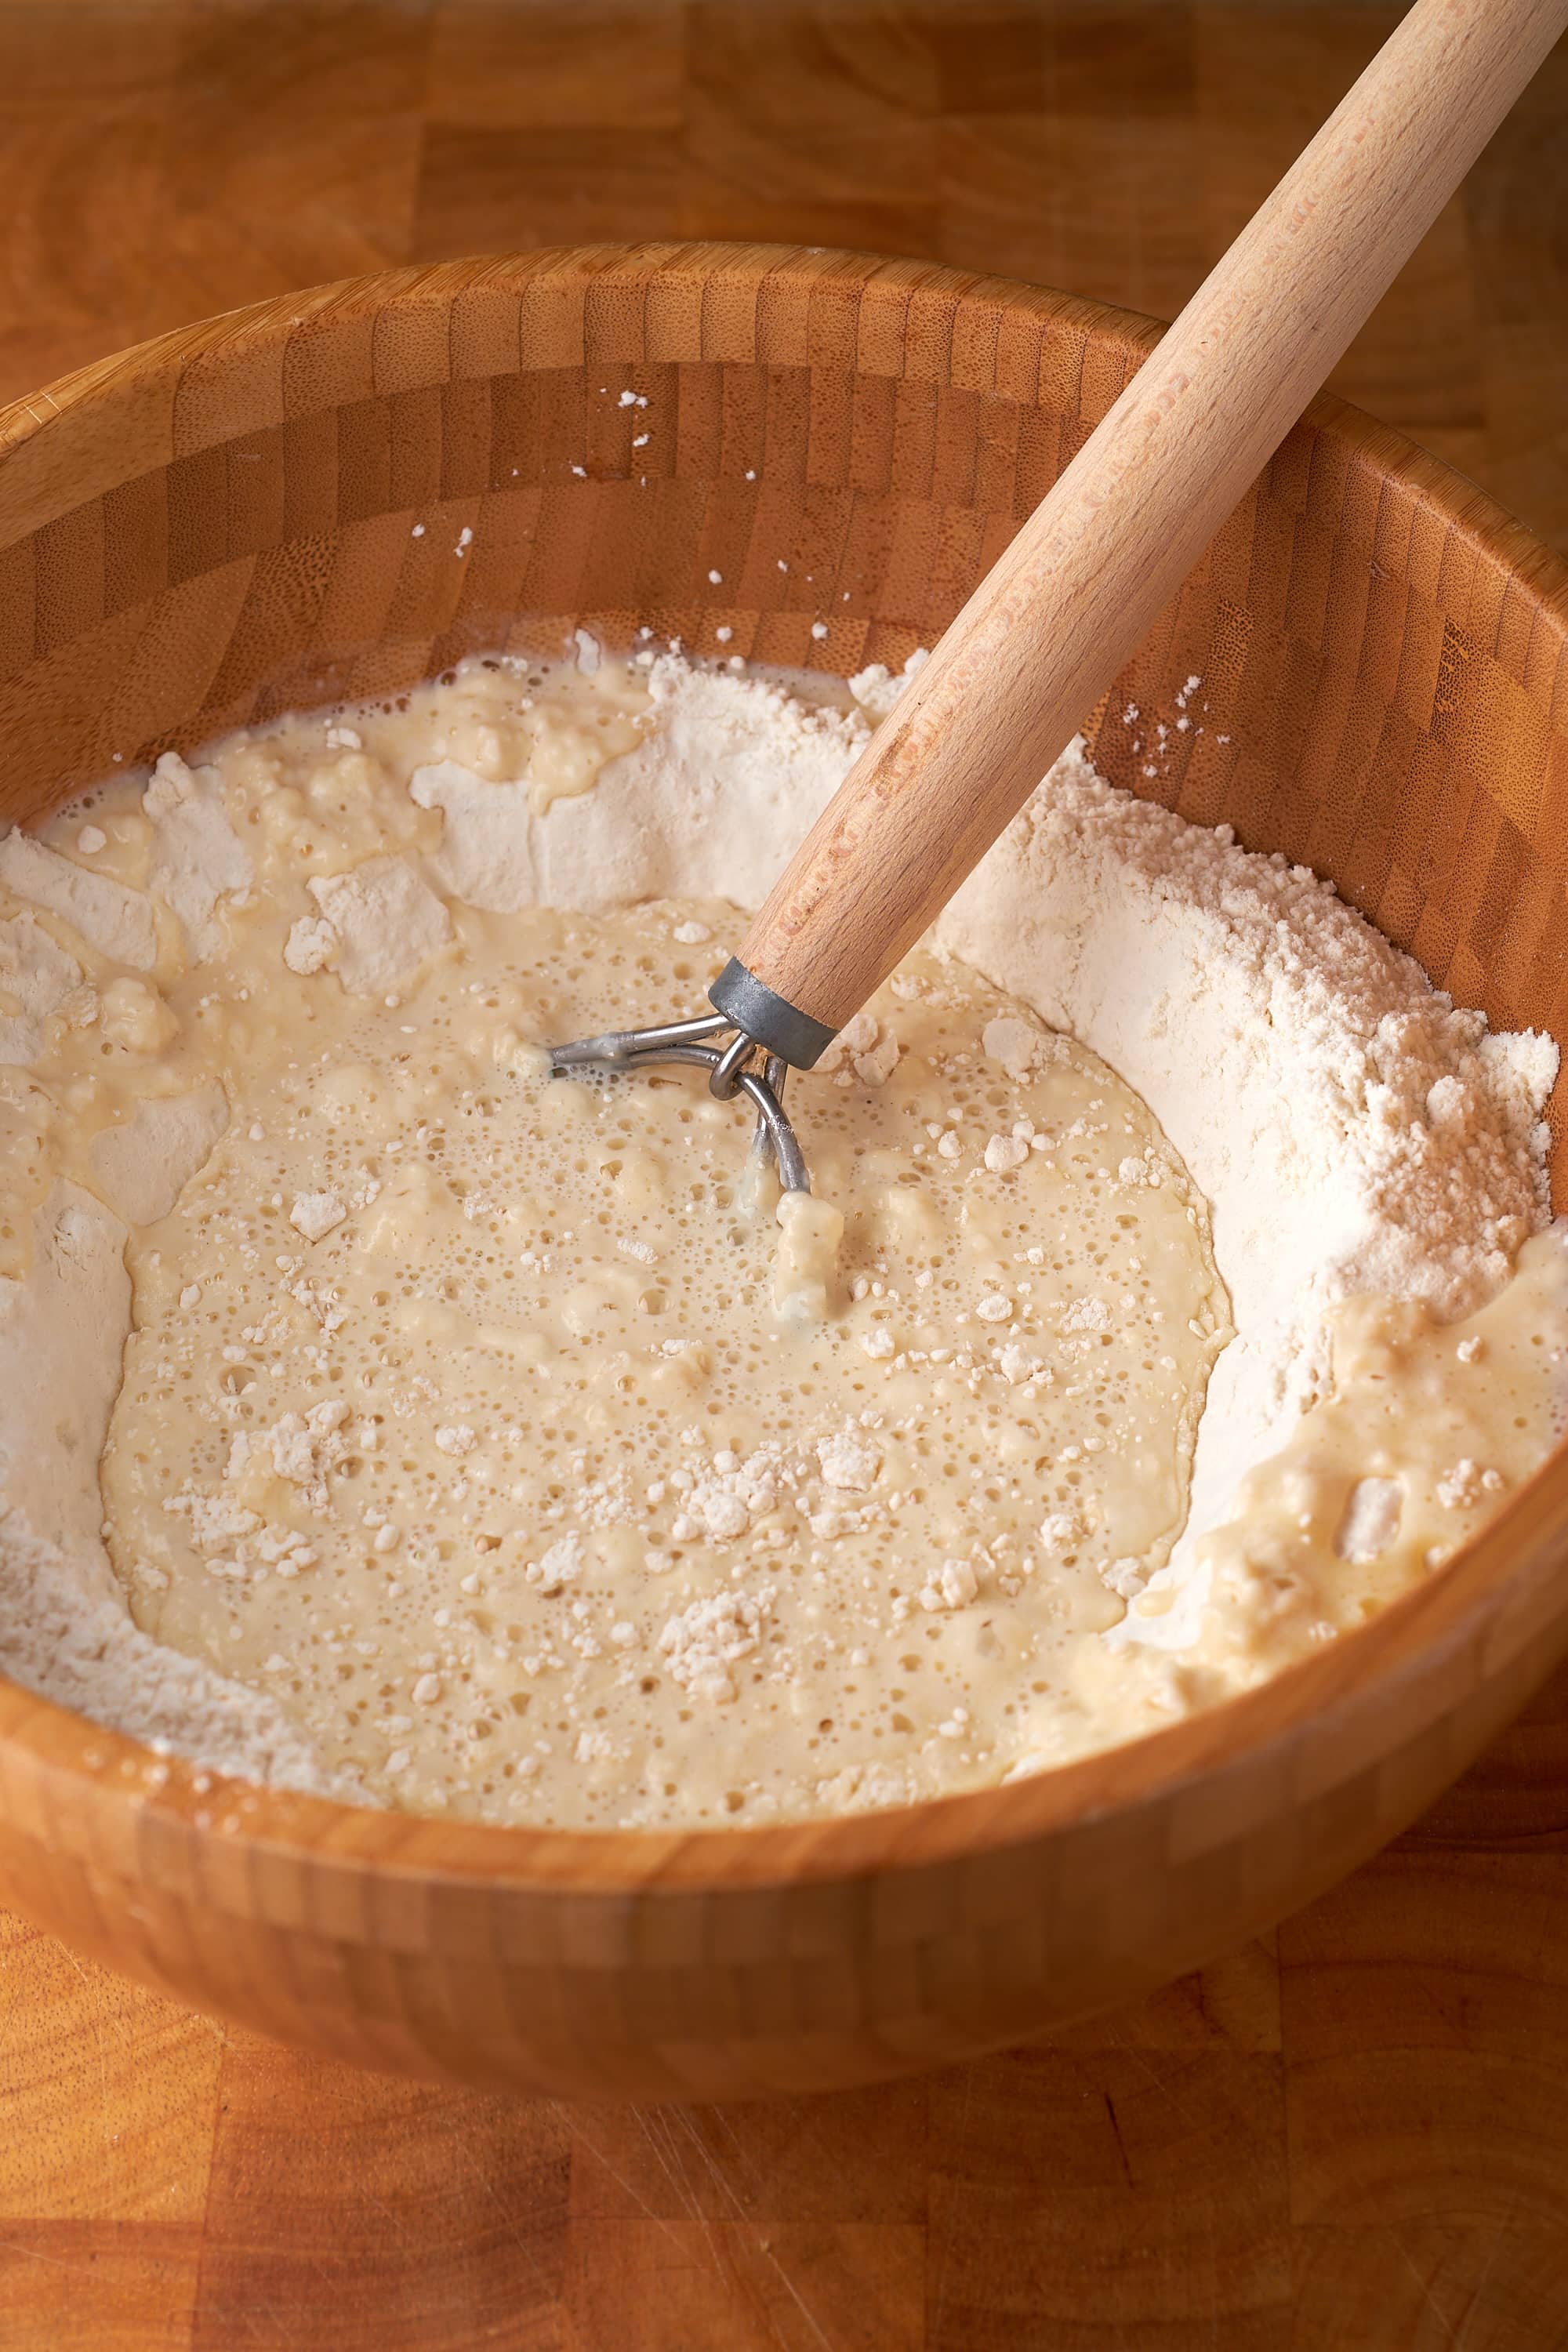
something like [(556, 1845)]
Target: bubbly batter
[(460, 1411), (491, 1427)]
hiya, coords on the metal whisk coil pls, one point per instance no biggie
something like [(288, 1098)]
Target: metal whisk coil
[(743, 1066)]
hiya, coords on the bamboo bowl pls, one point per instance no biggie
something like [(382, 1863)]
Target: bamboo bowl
[(219, 526)]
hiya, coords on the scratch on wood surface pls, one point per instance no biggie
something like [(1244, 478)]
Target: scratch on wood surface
[(1426, 2294), (1116, 2135), (577, 2131)]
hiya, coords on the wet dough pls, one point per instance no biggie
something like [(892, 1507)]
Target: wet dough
[(460, 1413)]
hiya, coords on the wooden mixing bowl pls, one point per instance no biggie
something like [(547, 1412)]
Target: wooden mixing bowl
[(219, 526)]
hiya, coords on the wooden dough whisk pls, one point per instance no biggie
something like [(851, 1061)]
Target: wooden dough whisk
[(1052, 624)]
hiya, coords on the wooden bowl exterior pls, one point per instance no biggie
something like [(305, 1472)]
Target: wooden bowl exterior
[(219, 525)]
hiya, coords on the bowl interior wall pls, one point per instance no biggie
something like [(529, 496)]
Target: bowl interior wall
[(1382, 689)]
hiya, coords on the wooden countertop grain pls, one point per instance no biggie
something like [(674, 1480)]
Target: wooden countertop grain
[(1352, 2138)]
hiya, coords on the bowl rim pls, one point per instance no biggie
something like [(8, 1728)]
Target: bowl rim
[(1487, 1601)]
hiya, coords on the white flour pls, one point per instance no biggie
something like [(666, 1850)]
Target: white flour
[(1351, 1130)]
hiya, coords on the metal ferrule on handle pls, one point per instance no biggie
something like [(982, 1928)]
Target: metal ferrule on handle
[(772, 1020)]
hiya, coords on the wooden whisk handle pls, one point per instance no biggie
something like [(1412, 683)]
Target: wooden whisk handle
[(1050, 625)]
